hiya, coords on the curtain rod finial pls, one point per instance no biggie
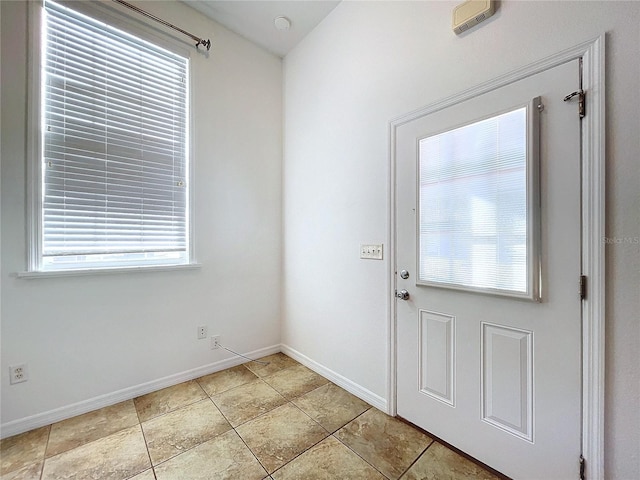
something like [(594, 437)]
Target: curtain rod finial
[(206, 43)]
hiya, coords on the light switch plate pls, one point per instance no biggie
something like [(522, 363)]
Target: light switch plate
[(371, 252)]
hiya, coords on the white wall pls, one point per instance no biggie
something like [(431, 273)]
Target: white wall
[(369, 62), (84, 337)]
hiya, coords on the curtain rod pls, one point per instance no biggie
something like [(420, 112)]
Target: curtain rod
[(206, 43)]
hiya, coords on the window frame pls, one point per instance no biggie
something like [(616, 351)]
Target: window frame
[(533, 207), (35, 179)]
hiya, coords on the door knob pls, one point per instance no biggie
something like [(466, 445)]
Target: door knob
[(402, 295)]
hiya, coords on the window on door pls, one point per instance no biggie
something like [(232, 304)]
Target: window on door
[(114, 159), (477, 206)]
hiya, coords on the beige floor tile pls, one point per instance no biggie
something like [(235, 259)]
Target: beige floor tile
[(440, 463), (116, 457), (224, 457), (182, 429), (295, 381), (331, 406), (226, 380), (247, 401), (22, 450), (187, 436), (28, 472), (385, 442), (146, 475), (279, 435), (91, 426), (168, 399), (328, 460), (277, 361)]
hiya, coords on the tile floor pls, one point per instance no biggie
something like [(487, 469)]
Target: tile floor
[(279, 421)]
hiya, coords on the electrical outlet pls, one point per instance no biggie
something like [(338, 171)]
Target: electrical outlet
[(202, 332), (215, 342), (18, 373)]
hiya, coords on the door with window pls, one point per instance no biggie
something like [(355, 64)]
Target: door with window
[(488, 267)]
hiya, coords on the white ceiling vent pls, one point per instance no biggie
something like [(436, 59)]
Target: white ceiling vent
[(470, 13)]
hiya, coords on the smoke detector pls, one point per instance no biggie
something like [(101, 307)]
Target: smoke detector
[(470, 13), (282, 23)]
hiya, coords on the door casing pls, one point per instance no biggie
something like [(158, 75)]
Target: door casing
[(592, 54)]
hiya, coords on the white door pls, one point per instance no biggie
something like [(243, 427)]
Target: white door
[(489, 340)]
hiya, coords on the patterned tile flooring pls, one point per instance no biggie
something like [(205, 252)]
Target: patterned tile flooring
[(279, 421)]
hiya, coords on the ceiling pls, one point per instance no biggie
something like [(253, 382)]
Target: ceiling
[(254, 19)]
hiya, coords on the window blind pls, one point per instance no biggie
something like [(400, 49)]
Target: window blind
[(115, 150), (473, 205)]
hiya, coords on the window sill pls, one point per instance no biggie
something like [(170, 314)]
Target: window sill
[(105, 271)]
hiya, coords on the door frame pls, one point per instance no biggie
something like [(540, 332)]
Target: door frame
[(592, 140)]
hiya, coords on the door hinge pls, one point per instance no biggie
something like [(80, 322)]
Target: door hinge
[(582, 467), (582, 101), (583, 287)]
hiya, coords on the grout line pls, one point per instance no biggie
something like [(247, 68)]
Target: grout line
[(173, 410), (310, 446), (300, 454), (233, 388), (287, 402), (301, 394), (318, 388), (234, 428), (144, 438), (87, 441), (194, 446), (349, 447), (360, 456), (195, 380), (146, 446), (311, 418), (417, 458), (133, 400), (349, 421), (221, 413), (190, 402), (251, 451), (257, 416), (187, 450), (46, 447)]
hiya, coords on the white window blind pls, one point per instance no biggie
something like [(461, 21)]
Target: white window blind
[(115, 149), (473, 199)]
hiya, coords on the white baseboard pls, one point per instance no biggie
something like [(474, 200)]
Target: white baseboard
[(350, 386), (56, 415), (46, 418)]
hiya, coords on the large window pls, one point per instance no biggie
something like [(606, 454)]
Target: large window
[(477, 206), (114, 148)]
